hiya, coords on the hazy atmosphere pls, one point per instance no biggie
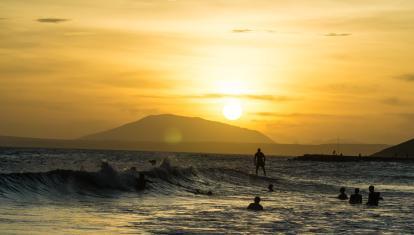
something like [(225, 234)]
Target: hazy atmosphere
[(206, 116), (309, 72)]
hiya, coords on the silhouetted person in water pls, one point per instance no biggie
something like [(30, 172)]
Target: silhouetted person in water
[(141, 182), (342, 195), (107, 169), (355, 198), (270, 187), (373, 197), (260, 161), (105, 166), (132, 170), (255, 206)]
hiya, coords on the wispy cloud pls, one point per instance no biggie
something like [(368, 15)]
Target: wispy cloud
[(52, 20), (406, 77), (337, 34), (270, 31), (244, 96), (349, 88), (303, 115), (407, 116), (220, 96), (393, 101), (241, 30), (139, 79), (391, 19)]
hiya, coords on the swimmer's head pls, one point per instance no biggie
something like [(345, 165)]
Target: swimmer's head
[(105, 164), (342, 190), (270, 187), (371, 188), (356, 190), (256, 199)]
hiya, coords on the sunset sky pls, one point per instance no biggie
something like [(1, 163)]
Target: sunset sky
[(306, 71)]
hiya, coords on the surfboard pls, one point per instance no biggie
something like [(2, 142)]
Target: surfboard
[(254, 176)]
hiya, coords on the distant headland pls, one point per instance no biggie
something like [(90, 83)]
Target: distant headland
[(174, 133), (399, 153)]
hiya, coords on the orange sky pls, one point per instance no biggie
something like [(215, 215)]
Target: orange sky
[(303, 72)]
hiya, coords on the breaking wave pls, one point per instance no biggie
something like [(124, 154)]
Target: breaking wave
[(164, 179)]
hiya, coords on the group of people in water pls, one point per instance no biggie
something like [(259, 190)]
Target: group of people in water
[(141, 181), (260, 162), (356, 198)]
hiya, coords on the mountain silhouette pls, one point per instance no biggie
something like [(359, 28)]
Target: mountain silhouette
[(405, 149), (168, 128)]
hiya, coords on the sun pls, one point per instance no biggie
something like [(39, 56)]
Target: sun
[(232, 109)]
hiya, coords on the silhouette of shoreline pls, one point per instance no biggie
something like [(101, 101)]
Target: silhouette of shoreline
[(338, 158), (288, 150)]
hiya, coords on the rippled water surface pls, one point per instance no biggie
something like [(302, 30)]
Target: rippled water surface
[(36, 198)]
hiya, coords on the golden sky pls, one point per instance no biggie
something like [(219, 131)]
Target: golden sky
[(306, 71)]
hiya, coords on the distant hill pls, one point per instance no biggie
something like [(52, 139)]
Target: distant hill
[(405, 149), (167, 128), (172, 133)]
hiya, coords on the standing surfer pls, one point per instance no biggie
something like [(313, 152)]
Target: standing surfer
[(260, 161)]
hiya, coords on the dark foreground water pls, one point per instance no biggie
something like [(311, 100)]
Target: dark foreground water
[(63, 192)]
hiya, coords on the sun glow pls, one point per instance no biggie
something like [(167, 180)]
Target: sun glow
[(231, 87), (232, 109)]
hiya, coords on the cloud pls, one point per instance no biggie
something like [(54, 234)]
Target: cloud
[(269, 97), (131, 108), (51, 20), (243, 96), (349, 88), (379, 20), (270, 31), (241, 30), (393, 101), (220, 96), (406, 77), (337, 34), (139, 79), (302, 115), (79, 33), (407, 116)]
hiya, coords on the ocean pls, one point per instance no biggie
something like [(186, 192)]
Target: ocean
[(56, 191)]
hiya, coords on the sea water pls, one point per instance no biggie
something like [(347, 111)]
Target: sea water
[(46, 191)]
